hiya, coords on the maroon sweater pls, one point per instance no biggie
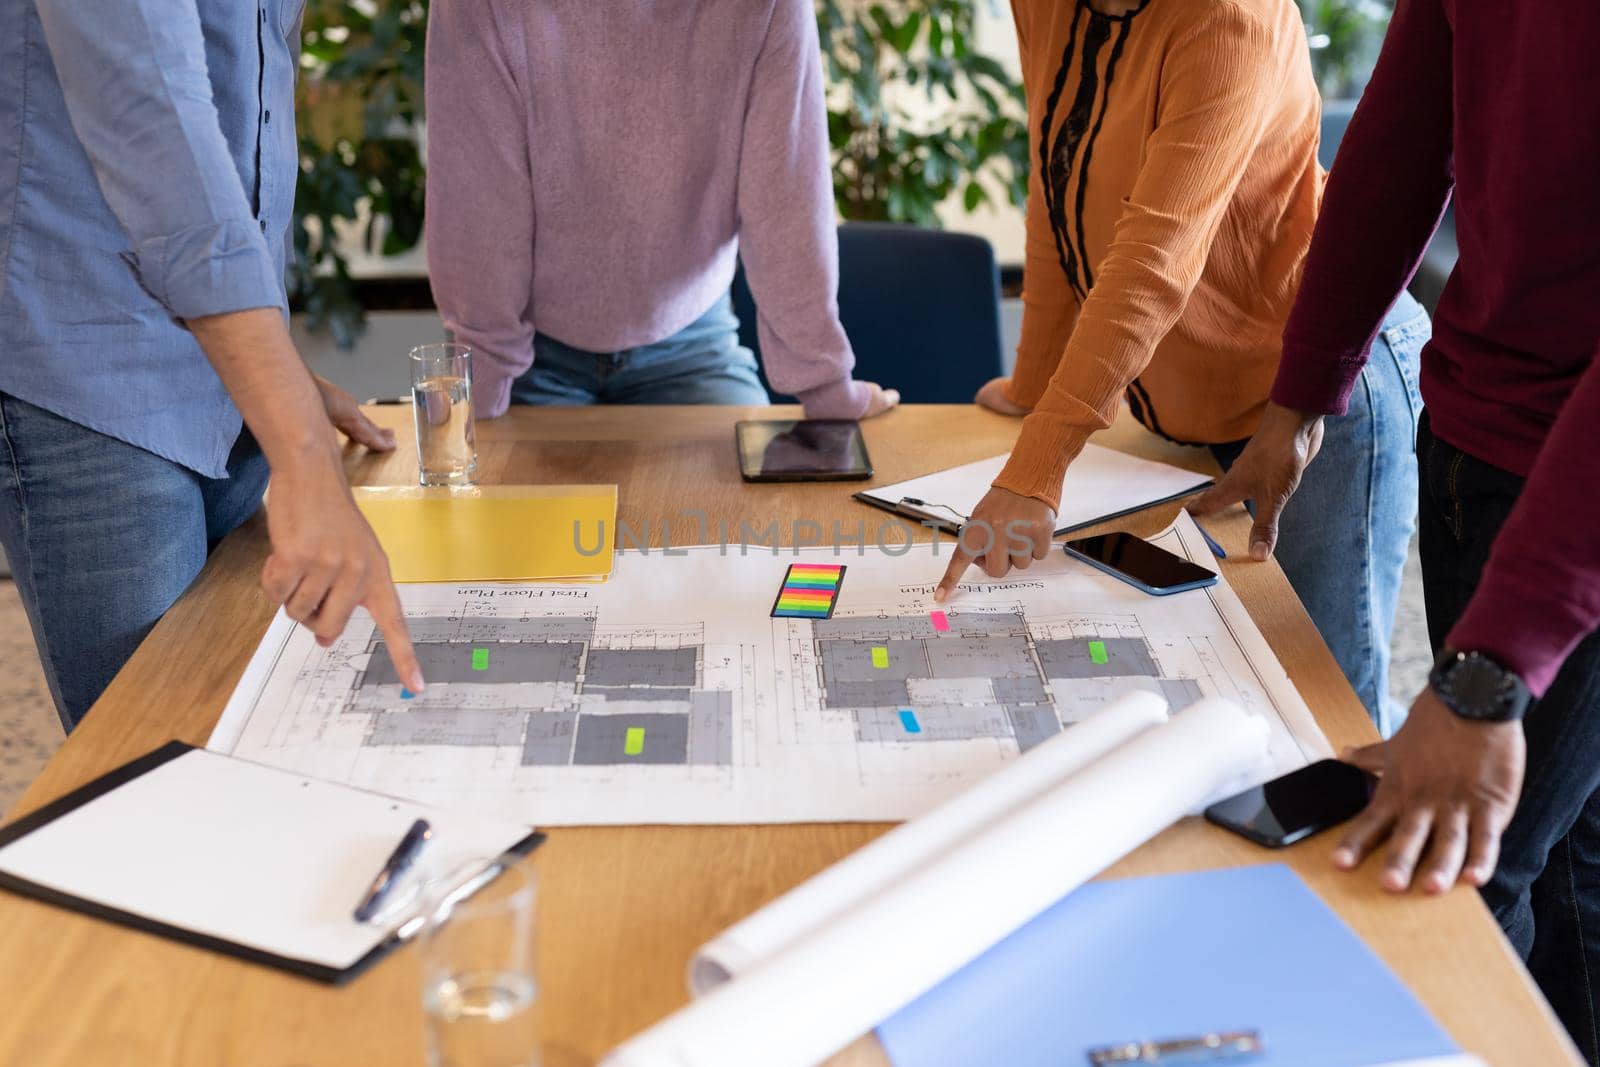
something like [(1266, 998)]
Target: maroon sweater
[(1498, 100)]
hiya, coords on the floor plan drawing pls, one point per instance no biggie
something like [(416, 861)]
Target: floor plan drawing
[(670, 694)]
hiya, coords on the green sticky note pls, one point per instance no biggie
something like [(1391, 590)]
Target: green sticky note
[(480, 659), (633, 742), (1097, 651), (880, 656)]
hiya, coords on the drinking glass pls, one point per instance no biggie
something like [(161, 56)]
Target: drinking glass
[(441, 404), (479, 983)]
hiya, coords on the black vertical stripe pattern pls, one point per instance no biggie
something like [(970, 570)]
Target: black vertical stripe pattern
[(1068, 140), (1145, 411), (1088, 148), (1051, 194)]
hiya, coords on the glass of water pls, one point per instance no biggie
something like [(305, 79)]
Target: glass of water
[(441, 404), (479, 985)]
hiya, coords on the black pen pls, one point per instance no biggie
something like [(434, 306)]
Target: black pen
[(403, 856)]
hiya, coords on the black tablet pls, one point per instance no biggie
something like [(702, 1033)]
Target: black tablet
[(803, 450)]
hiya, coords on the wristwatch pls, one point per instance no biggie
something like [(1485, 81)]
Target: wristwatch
[(1477, 688)]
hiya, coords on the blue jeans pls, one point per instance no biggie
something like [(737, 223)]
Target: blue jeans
[(703, 363), (1343, 538), (1545, 893), (103, 537)]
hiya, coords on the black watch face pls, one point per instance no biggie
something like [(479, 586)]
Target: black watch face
[(1480, 686)]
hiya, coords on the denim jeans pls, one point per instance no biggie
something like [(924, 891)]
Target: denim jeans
[(701, 364), (103, 537), (1546, 891), (1343, 538)]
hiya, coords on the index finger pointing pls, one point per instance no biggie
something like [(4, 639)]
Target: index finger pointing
[(384, 605), (959, 561)]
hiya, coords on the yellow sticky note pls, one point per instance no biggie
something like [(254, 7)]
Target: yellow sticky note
[(880, 656), (494, 533)]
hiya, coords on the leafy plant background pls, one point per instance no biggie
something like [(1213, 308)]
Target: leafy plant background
[(361, 111)]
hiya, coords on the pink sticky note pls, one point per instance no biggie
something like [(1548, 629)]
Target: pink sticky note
[(940, 623)]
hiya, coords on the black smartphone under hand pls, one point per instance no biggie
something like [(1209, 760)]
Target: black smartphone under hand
[(1139, 563), (802, 450), (1293, 807)]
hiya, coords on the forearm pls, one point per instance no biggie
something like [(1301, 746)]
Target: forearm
[(1106, 349), (254, 356), (1385, 195), (1049, 312), (1540, 593)]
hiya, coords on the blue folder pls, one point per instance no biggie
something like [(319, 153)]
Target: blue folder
[(1248, 948)]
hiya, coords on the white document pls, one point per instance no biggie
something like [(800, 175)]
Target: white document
[(1101, 484), (669, 694), (233, 850), (891, 859), (879, 953)]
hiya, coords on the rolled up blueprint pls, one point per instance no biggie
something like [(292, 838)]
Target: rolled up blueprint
[(824, 990), (889, 860)]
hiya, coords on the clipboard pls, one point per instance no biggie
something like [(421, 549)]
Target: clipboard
[(1101, 484), (31, 868)]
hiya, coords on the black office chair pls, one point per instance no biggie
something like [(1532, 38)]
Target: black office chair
[(921, 308)]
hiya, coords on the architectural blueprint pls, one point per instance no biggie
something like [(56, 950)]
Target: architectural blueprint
[(669, 694)]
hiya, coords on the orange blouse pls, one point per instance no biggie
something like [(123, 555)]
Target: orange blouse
[(1174, 188)]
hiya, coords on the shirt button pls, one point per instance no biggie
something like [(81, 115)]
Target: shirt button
[(263, 225), (267, 118)]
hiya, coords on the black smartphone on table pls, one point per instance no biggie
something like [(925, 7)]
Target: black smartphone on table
[(1298, 804), (802, 450), (1142, 565)]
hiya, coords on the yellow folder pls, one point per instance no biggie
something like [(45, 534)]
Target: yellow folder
[(494, 533)]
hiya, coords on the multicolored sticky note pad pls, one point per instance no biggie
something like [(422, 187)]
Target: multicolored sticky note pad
[(810, 591)]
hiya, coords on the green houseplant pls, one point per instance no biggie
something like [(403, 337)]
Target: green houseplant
[(361, 173)]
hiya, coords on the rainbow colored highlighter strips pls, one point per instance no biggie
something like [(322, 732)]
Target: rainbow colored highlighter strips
[(810, 591)]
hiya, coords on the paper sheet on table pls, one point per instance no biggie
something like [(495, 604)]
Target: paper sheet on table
[(883, 950), (1101, 484), (1246, 948), (248, 854), (494, 533)]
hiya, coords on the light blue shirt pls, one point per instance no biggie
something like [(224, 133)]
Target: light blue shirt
[(147, 168)]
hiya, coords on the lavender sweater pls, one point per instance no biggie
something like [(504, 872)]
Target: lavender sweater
[(593, 167)]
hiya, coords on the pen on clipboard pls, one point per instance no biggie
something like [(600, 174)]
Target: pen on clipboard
[(399, 861)]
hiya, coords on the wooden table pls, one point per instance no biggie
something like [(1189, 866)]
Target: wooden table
[(622, 908)]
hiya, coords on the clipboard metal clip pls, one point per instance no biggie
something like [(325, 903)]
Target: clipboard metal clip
[(1227, 1046), (914, 508), (424, 902)]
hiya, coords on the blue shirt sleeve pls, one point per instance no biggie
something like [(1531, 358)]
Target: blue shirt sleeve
[(139, 96)]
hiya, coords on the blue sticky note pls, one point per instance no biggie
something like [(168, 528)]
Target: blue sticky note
[(908, 720), (1249, 948)]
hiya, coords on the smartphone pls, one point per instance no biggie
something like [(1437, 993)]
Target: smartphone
[(802, 450), (1140, 564), (1297, 805)]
